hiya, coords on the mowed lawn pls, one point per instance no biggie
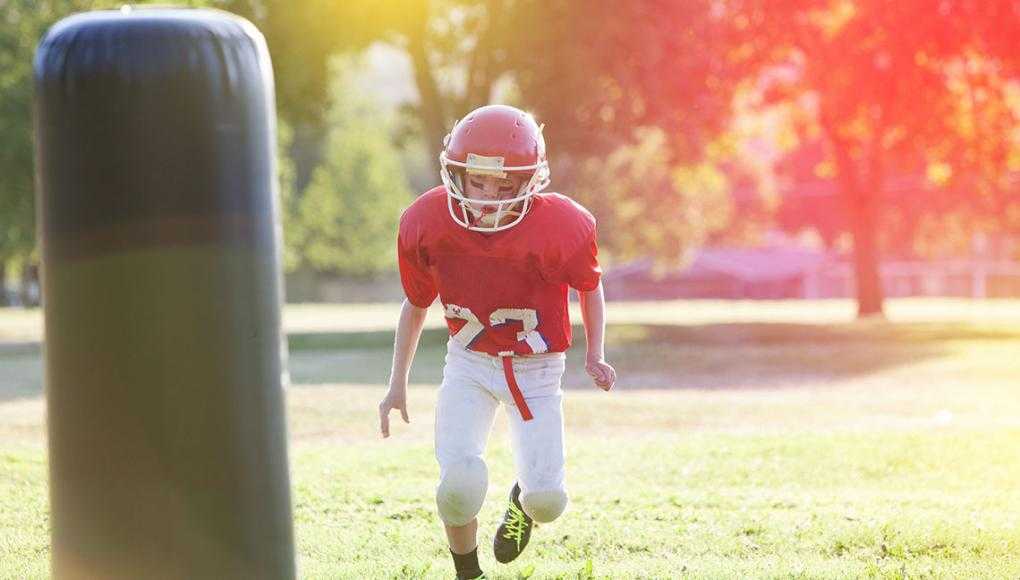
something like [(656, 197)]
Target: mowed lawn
[(745, 440)]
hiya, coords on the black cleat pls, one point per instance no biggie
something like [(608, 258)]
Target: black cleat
[(515, 531)]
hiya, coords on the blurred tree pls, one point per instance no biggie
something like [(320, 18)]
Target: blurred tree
[(302, 37), (289, 201), (637, 96), (677, 209), (345, 222), (915, 85), (888, 86), (594, 71), (603, 76), (23, 23), (598, 69)]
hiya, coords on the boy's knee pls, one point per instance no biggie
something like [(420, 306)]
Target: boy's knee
[(462, 490), (544, 505)]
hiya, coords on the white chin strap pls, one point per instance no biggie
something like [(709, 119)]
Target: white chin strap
[(471, 214)]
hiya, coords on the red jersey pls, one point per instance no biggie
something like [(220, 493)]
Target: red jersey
[(502, 291)]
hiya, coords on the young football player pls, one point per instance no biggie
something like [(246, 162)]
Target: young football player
[(500, 256)]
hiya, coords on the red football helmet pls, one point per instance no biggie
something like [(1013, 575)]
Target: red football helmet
[(500, 141)]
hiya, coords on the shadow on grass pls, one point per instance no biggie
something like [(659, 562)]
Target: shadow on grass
[(710, 356), (766, 333), (773, 355)]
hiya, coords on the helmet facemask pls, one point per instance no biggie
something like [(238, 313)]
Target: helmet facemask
[(489, 215)]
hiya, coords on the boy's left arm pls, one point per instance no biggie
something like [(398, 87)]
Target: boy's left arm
[(593, 313)]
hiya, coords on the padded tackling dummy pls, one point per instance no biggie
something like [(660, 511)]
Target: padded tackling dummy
[(161, 284)]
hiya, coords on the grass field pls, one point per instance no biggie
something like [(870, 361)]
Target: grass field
[(745, 440)]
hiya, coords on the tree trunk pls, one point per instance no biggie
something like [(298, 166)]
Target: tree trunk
[(431, 107), (30, 289), (482, 67), (306, 150), (3, 284), (864, 212), (862, 201)]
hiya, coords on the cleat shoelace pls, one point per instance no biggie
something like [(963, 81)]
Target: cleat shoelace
[(517, 525)]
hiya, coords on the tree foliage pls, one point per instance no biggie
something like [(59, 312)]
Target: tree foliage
[(24, 22), (893, 87), (637, 97), (596, 70), (345, 222), (612, 82), (678, 208)]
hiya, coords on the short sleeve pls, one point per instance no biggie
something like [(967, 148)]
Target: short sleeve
[(582, 271), (419, 286)]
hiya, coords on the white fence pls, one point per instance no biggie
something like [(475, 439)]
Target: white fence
[(969, 279)]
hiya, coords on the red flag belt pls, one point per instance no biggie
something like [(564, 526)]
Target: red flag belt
[(511, 381)]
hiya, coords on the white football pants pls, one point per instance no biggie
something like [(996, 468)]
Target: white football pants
[(473, 386)]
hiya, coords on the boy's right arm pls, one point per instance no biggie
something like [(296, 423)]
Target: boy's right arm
[(412, 320)]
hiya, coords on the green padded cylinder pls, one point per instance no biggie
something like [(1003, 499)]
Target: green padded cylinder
[(160, 235)]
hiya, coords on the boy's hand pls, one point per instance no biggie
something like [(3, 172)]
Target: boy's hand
[(396, 398), (601, 372)]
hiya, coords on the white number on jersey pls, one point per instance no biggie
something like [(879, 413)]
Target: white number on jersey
[(528, 318), (469, 331)]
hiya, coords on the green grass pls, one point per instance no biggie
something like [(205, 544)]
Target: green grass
[(754, 447)]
